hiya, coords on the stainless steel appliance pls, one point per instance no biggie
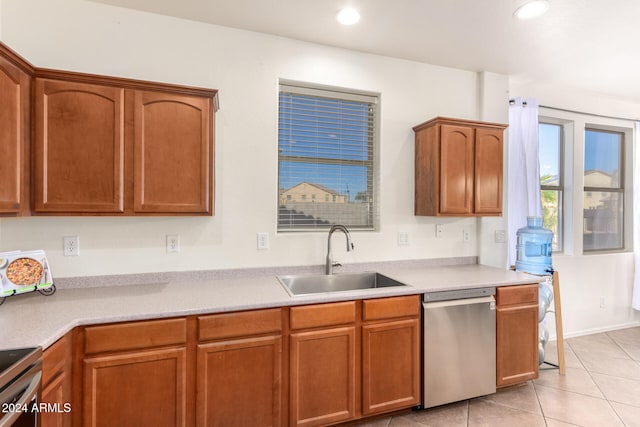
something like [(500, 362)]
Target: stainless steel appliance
[(459, 345), (20, 382)]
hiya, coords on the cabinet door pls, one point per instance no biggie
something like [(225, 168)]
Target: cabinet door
[(79, 147), (56, 383), (240, 383), (456, 169), (14, 137), (390, 366), (146, 388), (56, 396), (173, 153), (516, 344), (323, 370), (488, 171)]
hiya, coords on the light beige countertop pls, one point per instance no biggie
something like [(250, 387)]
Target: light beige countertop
[(33, 319)]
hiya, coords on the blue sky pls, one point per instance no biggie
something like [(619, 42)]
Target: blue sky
[(321, 132), (601, 150)]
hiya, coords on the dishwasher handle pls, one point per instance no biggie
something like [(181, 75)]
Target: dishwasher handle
[(467, 301)]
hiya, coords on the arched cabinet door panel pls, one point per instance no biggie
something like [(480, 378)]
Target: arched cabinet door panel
[(173, 153), (14, 138), (79, 147), (458, 168)]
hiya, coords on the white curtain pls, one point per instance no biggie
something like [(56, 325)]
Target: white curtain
[(636, 217), (524, 171)]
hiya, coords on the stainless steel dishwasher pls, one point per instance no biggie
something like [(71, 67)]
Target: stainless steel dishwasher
[(459, 345)]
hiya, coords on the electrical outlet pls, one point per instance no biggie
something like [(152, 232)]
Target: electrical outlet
[(439, 231), (173, 243), (71, 245), (500, 236), (403, 238), (466, 236), (602, 302), (263, 240)]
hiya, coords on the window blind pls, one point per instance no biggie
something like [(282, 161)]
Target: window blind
[(327, 158)]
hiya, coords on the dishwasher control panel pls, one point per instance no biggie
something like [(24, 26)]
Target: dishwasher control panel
[(459, 294)]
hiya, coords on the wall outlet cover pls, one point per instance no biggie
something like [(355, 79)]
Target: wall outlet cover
[(71, 246)]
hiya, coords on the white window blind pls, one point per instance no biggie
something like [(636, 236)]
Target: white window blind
[(327, 158)]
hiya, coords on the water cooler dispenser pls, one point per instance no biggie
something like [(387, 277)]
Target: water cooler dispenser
[(533, 251)]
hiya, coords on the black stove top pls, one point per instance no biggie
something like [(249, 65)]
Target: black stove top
[(13, 362), (10, 357)]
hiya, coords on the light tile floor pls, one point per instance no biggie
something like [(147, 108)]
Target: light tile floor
[(601, 388)]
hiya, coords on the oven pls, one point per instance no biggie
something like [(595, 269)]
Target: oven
[(20, 382)]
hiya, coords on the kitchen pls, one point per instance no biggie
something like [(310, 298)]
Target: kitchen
[(245, 67)]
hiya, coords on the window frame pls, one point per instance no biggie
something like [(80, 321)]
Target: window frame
[(373, 187), (621, 189), (560, 188)]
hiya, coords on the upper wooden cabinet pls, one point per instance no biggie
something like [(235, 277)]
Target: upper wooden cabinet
[(82, 144), (458, 168), (15, 88), (108, 148), (78, 147), (172, 157)]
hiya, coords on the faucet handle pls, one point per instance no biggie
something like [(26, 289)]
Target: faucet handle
[(336, 264)]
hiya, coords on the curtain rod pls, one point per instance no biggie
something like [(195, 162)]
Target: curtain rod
[(524, 104)]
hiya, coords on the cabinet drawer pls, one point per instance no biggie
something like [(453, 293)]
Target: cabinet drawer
[(54, 359), (387, 308), (239, 324), (313, 316), (135, 335), (524, 294)]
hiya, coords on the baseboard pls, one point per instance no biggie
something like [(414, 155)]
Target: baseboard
[(597, 330)]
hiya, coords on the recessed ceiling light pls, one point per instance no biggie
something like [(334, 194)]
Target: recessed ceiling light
[(348, 16), (532, 9)]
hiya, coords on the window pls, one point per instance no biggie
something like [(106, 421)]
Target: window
[(326, 147), (603, 218), (550, 147)]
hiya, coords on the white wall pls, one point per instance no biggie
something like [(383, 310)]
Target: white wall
[(586, 280), (245, 67)]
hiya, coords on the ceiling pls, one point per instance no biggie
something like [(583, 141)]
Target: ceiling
[(587, 45)]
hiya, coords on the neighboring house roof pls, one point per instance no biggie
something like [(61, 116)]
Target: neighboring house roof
[(321, 187)]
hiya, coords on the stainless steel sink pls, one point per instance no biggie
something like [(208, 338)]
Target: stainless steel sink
[(315, 284)]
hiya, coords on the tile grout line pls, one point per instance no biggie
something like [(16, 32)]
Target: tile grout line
[(596, 383), (468, 411), (535, 390), (622, 348)]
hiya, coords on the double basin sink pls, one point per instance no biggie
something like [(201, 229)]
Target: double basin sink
[(324, 283)]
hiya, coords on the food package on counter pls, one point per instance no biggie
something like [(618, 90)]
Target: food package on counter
[(24, 271)]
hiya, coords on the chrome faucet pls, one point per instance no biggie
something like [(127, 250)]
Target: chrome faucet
[(329, 266)]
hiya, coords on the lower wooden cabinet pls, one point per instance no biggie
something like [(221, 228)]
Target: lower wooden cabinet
[(239, 377), (56, 384), (390, 354), (516, 334), (307, 366), (135, 373), (390, 366), (323, 376), (141, 388), (354, 359)]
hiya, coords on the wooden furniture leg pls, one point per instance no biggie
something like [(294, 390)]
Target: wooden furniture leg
[(558, 316)]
